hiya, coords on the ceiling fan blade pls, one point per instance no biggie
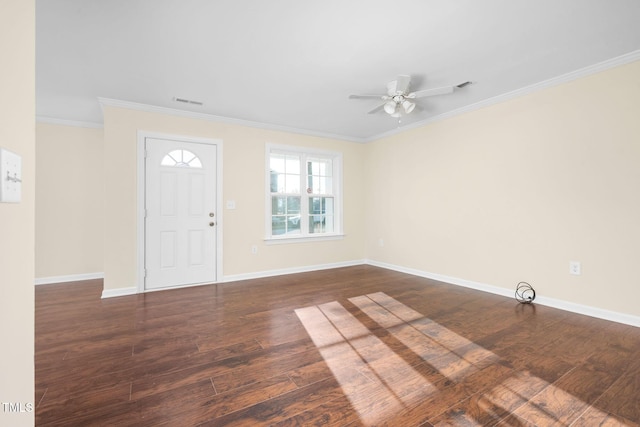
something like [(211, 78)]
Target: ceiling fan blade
[(367, 96), (375, 110), (432, 92), (402, 84)]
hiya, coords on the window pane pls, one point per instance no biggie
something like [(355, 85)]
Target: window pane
[(274, 181), (293, 165), (320, 185), (293, 224), (278, 225), (280, 182), (293, 205), (328, 224), (328, 205), (276, 163), (278, 205), (187, 156), (293, 184), (325, 168)]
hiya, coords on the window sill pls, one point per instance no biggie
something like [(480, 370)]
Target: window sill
[(302, 239)]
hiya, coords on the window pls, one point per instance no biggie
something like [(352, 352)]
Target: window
[(304, 194), (181, 159)]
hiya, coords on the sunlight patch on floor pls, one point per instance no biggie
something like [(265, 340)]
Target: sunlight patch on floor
[(377, 381), (380, 384)]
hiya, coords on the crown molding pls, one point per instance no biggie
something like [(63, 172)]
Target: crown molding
[(564, 78), (220, 119), (65, 122)]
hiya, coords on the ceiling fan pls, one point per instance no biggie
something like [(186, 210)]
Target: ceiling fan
[(399, 99)]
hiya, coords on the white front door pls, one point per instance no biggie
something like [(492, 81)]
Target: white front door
[(180, 213)]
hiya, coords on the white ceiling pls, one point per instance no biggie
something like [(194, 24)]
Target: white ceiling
[(292, 64)]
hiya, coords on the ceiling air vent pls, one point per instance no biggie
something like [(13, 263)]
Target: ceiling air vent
[(187, 101)]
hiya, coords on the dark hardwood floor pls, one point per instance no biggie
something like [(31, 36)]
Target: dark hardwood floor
[(344, 347)]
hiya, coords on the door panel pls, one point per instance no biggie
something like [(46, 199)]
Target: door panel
[(180, 233)]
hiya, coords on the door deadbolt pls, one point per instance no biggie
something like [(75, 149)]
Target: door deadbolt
[(211, 214)]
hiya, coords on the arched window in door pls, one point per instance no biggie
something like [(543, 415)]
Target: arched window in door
[(181, 159)]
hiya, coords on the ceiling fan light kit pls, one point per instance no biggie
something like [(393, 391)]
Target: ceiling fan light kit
[(399, 100), (390, 107), (408, 106)]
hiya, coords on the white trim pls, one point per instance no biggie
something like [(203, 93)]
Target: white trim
[(564, 78), (64, 122), (140, 206), (302, 239), (599, 313), (119, 292), (627, 319), (221, 119), (292, 270), (337, 178), (190, 285), (68, 278)]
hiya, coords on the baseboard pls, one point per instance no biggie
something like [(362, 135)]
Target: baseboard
[(281, 272), (614, 316), (119, 292), (599, 313), (68, 278), (111, 293)]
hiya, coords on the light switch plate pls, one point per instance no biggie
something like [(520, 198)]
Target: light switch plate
[(10, 176)]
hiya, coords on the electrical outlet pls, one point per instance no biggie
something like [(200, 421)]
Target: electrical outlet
[(575, 268), (254, 249), (381, 242)]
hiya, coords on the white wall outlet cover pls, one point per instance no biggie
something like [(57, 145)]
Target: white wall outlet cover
[(575, 268), (10, 176)]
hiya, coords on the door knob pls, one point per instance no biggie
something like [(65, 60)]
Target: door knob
[(211, 224)]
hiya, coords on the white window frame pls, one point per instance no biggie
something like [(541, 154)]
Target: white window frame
[(304, 152)]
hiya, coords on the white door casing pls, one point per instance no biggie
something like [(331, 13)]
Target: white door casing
[(180, 212)]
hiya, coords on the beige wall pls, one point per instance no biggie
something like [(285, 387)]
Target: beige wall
[(17, 134), (507, 193), (515, 191), (243, 180), (70, 201)]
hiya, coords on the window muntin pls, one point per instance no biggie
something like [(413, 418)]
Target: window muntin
[(303, 193)]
